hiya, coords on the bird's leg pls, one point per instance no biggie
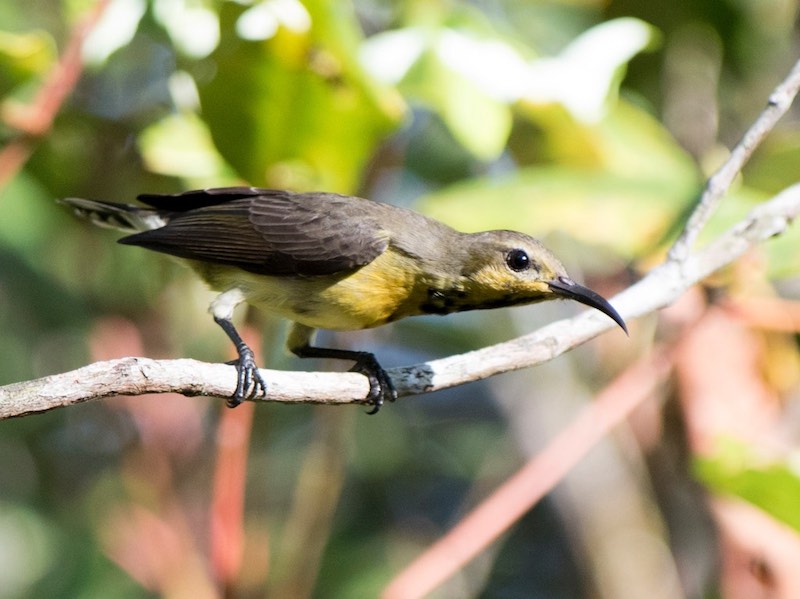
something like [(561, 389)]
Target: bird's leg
[(381, 388), (249, 383)]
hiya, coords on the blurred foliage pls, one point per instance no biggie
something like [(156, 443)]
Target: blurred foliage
[(23, 57), (296, 110), (584, 189), (591, 124), (772, 486)]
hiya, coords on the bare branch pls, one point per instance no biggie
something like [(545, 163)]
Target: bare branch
[(661, 287), (136, 376), (717, 186)]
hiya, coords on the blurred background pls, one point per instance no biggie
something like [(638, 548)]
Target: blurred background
[(590, 124)]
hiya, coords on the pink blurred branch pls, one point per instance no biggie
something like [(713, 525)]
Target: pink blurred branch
[(533, 481), (230, 477)]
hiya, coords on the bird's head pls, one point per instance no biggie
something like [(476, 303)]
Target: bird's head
[(506, 268)]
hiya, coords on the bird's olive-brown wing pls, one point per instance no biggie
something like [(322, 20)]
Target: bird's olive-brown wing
[(266, 231)]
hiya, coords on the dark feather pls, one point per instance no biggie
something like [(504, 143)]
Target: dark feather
[(266, 231), (201, 198)]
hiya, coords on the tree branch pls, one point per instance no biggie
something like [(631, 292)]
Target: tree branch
[(137, 376), (661, 287), (717, 186)]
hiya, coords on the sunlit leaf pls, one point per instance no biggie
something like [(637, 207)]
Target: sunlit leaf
[(621, 184), (194, 28), (115, 30), (776, 164), (478, 121), (471, 80), (585, 76), (22, 56), (180, 145), (468, 80)]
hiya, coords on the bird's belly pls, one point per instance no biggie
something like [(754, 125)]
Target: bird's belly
[(371, 296)]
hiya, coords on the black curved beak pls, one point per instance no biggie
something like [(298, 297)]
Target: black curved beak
[(569, 289)]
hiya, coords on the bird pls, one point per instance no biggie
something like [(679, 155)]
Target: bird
[(330, 261)]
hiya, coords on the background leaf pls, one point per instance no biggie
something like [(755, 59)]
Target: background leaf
[(771, 486), (295, 110)]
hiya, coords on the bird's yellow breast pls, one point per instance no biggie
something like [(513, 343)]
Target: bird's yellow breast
[(382, 291)]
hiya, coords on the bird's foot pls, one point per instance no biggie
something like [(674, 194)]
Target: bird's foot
[(249, 383), (381, 388)]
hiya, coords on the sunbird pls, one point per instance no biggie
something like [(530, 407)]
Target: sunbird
[(330, 261)]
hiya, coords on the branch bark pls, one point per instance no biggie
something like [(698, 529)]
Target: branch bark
[(661, 287)]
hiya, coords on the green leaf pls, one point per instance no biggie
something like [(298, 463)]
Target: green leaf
[(477, 121), (585, 77), (295, 110), (783, 259), (24, 56), (772, 487), (620, 185), (180, 145), (776, 163)]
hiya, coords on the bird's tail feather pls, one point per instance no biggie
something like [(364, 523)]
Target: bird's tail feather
[(124, 217)]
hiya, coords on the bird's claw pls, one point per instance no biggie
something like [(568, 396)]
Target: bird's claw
[(249, 382), (381, 388)]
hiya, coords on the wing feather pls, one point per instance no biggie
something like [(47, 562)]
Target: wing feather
[(267, 232)]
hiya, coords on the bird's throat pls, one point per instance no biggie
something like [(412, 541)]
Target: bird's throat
[(447, 301)]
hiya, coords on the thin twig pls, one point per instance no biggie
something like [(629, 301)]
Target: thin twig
[(717, 186), (661, 287)]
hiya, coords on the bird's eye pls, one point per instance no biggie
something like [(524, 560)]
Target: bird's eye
[(518, 260)]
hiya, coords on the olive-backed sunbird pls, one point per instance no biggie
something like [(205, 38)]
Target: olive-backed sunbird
[(330, 261)]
